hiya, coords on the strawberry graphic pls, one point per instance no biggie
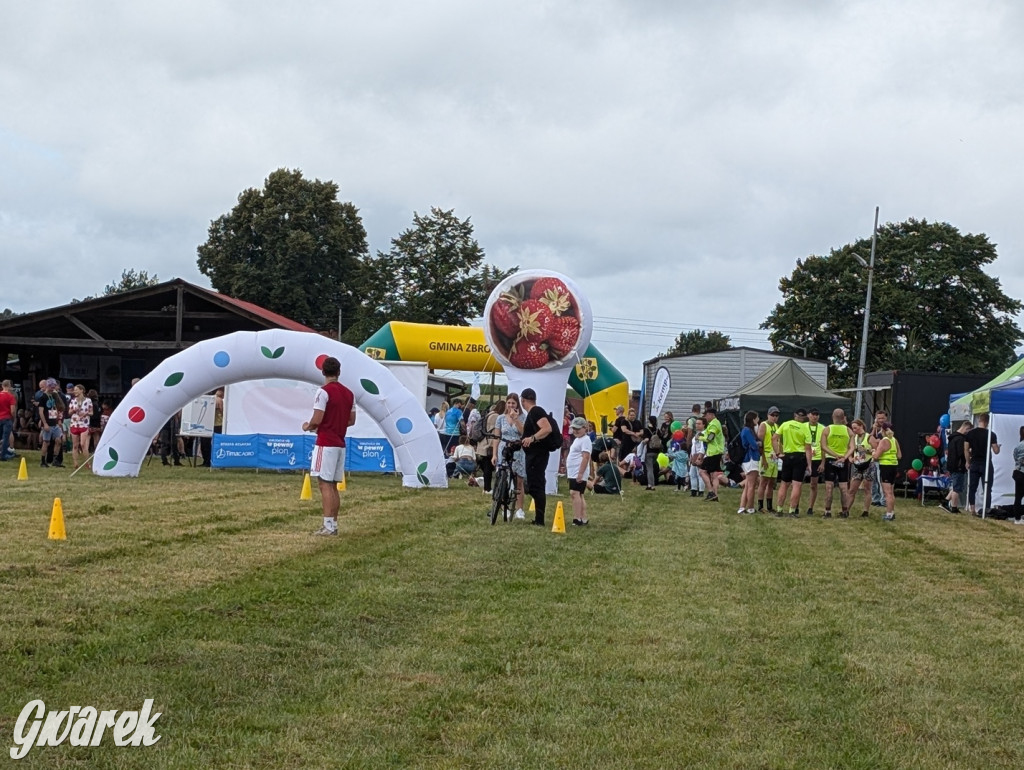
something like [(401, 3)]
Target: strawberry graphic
[(534, 321), (505, 314), (565, 333), (528, 355), (555, 294)]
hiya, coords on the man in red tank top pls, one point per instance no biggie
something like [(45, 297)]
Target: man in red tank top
[(333, 413)]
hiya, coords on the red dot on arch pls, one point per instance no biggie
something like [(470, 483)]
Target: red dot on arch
[(136, 414)]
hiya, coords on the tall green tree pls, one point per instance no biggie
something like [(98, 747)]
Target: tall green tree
[(130, 279), (933, 307), (699, 341), (434, 272), (291, 247)]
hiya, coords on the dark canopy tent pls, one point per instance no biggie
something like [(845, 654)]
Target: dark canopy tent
[(786, 386)]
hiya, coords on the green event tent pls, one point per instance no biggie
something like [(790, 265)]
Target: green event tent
[(786, 386), (976, 402)]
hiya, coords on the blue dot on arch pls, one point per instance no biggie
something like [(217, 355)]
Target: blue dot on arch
[(404, 425), (221, 358)]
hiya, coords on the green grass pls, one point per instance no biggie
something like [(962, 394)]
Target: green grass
[(669, 633)]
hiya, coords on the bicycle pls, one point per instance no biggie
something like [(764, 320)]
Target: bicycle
[(503, 489)]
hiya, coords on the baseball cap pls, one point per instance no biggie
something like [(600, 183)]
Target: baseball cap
[(801, 411), (50, 382), (578, 423), (773, 410)]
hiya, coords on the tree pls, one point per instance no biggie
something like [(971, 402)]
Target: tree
[(130, 280), (699, 341), (291, 247), (8, 313), (933, 308), (433, 273)]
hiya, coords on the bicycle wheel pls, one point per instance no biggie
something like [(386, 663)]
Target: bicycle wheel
[(499, 493)]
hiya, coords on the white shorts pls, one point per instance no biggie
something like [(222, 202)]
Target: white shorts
[(328, 463), (751, 466)]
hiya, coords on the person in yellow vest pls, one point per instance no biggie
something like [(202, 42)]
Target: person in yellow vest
[(816, 468), (793, 442), (711, 469), (887, 454), (862, 469), (769, 460), (837, 448)]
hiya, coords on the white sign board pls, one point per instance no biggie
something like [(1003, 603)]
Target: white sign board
[(197, 416)]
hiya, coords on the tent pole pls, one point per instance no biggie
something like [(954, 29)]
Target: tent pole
[(988, 465)]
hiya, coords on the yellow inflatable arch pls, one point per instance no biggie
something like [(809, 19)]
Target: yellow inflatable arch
[(601, 386)]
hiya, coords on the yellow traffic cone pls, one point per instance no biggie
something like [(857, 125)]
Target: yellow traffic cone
[(23, 471), (559, 524), (57, 521), (533, 506), (341, 484), (307, 489)]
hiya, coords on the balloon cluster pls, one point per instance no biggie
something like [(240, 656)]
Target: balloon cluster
[(930, 450)]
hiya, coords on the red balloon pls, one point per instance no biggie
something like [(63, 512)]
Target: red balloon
[(913, 475), (678, 435), (934, 462), (934, 442)]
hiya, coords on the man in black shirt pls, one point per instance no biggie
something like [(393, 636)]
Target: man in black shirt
[(977, 458), (956, 464), (536, 427)]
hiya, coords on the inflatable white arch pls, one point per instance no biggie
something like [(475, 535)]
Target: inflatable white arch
[(275, 353)]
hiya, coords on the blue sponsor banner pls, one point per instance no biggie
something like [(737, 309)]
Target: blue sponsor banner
[(277, 452), (369, 454), (235, 451), (280, 452)]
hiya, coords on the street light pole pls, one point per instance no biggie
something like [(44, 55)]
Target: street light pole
[(867, 316), (793, 345)]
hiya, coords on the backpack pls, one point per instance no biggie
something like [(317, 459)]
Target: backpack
[(553, 441), (736, 450), (476, 432)]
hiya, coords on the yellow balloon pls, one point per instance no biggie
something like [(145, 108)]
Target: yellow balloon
[(662, 460)]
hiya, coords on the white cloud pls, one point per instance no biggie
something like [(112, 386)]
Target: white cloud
[(674, 157)]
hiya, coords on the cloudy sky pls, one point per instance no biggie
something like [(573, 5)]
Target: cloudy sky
[(674, 157)]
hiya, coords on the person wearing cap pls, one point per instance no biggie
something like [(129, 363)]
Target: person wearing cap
[(577, 469), (51, 419), (837, 448), (887, 455), (769, 460), (793, 443), (711, 468), (816, 469)]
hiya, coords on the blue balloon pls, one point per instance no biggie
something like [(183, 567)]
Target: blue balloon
[(944, 421)]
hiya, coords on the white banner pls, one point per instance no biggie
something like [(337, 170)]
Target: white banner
[(281, 406), (662, 383)]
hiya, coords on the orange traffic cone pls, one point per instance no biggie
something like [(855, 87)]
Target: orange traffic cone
[(57, 531)]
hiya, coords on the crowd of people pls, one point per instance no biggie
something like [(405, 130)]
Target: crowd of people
[(73, 420), (781, 467)]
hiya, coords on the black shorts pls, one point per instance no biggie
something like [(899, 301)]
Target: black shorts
[(712, 464), (887, 474), (577, 486), (794, 467), (839, 474), (813, 472)]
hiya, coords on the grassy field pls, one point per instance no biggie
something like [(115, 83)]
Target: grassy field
[(669, 633)]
